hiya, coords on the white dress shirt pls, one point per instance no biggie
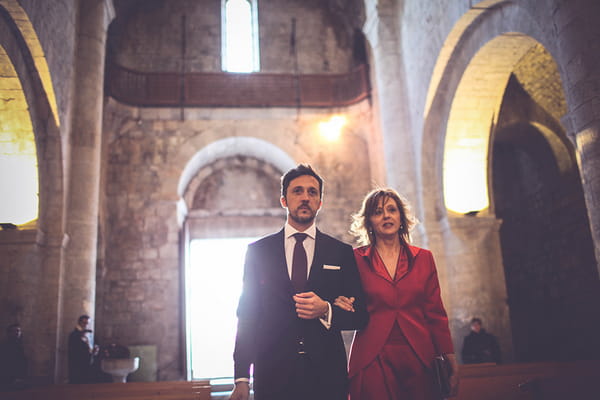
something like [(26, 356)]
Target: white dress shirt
[(309, 247), (308, 243)]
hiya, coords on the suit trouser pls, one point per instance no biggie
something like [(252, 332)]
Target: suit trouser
[(303, 385)]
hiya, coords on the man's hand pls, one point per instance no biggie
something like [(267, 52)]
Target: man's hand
[(241, 391), (310, 306)]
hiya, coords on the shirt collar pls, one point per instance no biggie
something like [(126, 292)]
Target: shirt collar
[(290, 230)]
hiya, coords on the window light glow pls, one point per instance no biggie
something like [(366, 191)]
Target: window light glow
[(18, 155), (19, 203), (465, 175), (213, 287), (239, 35), (331, 129)]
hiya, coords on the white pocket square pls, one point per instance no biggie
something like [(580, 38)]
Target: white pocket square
[(332, 267)]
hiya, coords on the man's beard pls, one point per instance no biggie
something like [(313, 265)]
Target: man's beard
[(303, 220)]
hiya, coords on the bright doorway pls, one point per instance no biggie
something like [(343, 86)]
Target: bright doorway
[(213, 285)]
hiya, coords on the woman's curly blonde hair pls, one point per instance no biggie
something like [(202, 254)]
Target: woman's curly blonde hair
[(361, 226)]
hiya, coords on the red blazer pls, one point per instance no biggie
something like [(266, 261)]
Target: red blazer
[(413, 301)]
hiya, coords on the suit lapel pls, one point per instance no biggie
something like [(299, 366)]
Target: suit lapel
[(279, 263), (315, 267), (372, 258)]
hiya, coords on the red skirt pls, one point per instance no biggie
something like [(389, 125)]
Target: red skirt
[(395, 374)]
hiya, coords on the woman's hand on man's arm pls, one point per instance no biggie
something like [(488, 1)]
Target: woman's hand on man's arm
[(345, 303)]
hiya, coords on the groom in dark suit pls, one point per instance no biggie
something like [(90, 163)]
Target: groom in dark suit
[(287, 329)]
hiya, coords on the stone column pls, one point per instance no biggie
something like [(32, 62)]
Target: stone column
[(399, 138), (474, 276), (576, 23), (587, 143), (78, 275)]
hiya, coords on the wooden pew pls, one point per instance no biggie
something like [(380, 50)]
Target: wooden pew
[(532, 381), (180, 390), (535, 381)]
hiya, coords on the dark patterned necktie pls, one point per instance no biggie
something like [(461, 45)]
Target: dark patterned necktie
[(299, 263)]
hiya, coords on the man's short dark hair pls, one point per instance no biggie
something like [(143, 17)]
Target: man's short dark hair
[(82, 317), (12, 326), (476, 321), (301, 169)]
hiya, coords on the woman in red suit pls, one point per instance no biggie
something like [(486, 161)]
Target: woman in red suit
[(392, 357)]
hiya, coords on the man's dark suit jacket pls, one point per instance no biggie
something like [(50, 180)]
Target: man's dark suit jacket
[(269, 328), (80, 359)]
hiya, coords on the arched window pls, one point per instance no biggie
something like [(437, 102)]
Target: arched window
[(239, 33)]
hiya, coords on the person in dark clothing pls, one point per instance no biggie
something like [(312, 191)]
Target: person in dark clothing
[(81, 353), (480, 346), (13, 362)]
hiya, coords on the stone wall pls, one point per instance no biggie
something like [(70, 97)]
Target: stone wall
[(547, 248), (139, 280), (184, 35), (31, 256), (323, 43), (418, 51), (154, 36), (55, 25)]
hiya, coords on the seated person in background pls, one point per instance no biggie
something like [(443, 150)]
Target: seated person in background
[(13, 363), (480, 346)]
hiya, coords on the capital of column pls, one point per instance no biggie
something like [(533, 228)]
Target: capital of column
[(567, 122), (109, 13), (379, 27), (476, 228)]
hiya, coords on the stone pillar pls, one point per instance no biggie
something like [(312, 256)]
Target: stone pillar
[(399, 138), (474, 278), (576, 23), (587, 143), (78, 275)]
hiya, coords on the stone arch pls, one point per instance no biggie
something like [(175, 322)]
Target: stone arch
[(40, 259), (43, 121), (27, 32), (256, 179), (465, 244), (494, 23), (472, 116), (471, 77), (226, 148)]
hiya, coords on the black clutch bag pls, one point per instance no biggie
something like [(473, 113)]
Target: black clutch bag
[(441, 372)]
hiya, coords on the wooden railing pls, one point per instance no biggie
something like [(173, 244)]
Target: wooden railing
[(147, 89), (195, 390)]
